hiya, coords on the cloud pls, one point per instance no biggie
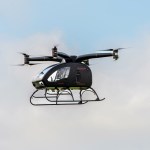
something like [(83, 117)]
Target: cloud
[(121, 120)]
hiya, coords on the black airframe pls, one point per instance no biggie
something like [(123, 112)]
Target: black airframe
[(62, 78)]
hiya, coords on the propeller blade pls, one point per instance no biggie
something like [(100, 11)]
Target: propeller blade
[(33, 55), (111, 49), (31, 64), (119, 49), (24, 54), (18, 65), (106, 50)]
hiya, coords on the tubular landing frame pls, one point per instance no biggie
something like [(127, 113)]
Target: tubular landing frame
[(51, 97)]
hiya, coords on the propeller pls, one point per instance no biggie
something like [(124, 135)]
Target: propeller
[(30, 64), (112, 49), (26, 60), (23, 54), (115, 52)]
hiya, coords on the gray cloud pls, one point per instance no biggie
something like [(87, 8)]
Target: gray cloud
[(119, 122)]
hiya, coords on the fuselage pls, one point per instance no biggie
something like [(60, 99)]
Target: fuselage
[(64, 75)]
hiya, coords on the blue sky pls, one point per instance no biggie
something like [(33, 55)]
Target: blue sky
[(83, 22), (121, 122)]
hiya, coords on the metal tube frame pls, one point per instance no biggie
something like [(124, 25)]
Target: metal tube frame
[(55, 95)]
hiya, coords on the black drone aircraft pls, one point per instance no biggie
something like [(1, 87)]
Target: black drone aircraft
[(69, 74)]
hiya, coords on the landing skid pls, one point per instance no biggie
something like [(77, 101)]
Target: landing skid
[(52, 97)]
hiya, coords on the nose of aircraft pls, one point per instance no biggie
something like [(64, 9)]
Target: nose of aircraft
[(38, 84)]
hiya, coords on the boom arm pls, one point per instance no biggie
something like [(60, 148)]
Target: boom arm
[(28, 59), (64, 56), (97, 55), (44, 58), (59, 56)]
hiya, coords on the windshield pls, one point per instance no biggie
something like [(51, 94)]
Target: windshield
[(41, 75)]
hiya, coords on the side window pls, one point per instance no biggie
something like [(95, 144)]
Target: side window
[(59, 74)]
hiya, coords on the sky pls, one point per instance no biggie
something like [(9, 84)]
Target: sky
[(77, 27)]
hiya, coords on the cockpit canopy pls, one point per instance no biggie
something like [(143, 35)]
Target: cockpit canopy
[(61, 73), (42, 74)]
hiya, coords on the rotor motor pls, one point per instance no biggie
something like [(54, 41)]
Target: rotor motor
[(115, 54), (54, 51), (26, 59)]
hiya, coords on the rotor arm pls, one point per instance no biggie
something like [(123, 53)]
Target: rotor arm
[(93, 55), (28, 59), (64, 56), (44, 58)]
